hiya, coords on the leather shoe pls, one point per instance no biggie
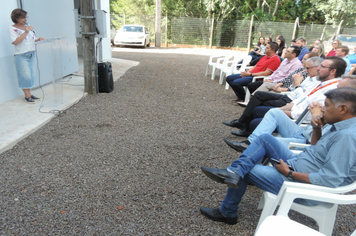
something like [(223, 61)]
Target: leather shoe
[(222, 176), (215, 214), (235, 123), (238, 146), (241, 133)]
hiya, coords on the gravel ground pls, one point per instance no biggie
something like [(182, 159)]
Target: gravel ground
[(127, 162)]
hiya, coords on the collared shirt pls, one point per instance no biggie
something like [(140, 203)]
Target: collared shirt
[(302, 53), (348, 65), (267, 63), (309, 82), (308, 131), (352, 58), (332, 161), (318, 96), (285, 68), (288, 81)]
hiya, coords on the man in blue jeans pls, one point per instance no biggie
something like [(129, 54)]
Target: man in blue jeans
[(331, 162), (266, 66)]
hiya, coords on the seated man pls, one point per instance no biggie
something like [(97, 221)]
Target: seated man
[(301, 41), (288, 66), (279, 100), (331, 162), (352, 58), (266, 66), (285, 85), (342, 52), (286, 127)]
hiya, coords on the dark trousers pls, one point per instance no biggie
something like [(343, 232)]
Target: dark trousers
[(263, 99), (237, 83), (253, 86)]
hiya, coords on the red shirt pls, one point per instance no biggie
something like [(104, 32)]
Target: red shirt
[(332, 53), (267, 63)]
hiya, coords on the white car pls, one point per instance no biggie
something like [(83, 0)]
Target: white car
[(132, 35)]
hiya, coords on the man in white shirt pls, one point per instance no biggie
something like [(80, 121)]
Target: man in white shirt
[(329, 73)]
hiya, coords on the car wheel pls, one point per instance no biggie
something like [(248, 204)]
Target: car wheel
[(149, 44)]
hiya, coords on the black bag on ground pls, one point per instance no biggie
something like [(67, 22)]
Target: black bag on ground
[(105, 79)]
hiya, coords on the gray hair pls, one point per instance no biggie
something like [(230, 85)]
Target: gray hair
[(350, 80), (343, 96), (316, 61)]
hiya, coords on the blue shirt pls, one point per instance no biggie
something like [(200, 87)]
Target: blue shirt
[(332, 161), (348, 65), (352, 58), (302, 53)]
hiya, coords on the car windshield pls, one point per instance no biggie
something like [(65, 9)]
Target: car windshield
[(347, 39), (138, 29)]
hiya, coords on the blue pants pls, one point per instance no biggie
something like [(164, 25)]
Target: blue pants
[(266, 178), (237, 82), (287, 128)]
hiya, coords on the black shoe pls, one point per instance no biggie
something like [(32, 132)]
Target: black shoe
[(238, 146), (215, 214), (241, 133), (34, 97), (222, 176), (29, 99), (235, 123)]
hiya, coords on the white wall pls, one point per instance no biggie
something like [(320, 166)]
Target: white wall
[(105, 49)]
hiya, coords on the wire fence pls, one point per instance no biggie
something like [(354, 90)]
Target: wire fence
[(225, 33)]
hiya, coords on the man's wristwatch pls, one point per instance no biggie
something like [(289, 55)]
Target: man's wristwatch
[(290, 176)]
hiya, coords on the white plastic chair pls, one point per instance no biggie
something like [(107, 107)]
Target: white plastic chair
[(248, 95), (243, 67), (212, 62), (230, 67), (222, 64), (324, 214), (281, 225)]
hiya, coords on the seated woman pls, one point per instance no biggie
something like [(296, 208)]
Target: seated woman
[(281, 45), (336, 44), (319, 50)]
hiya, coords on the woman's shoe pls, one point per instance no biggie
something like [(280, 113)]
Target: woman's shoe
[(34, 97), (29, 99)]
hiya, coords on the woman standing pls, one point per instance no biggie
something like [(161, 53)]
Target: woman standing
[(23, 37)]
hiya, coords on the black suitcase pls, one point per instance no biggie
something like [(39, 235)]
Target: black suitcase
[(105, 80)]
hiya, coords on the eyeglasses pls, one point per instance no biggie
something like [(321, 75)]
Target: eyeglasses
[(24, 17), (335, 43)]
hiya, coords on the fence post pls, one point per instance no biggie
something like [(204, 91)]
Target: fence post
[(249, 35), (211, 32), (339, 28), (166, 42), (322, 34), (124, 17), (295, 27), (158, 24)]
